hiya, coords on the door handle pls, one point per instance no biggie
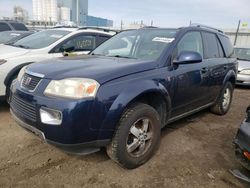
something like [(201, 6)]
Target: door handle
[(204, 70)]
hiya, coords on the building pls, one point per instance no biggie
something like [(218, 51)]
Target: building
[(243, 37), (45, 11), (64, 14), (80, 12), (20, 14), (99, 22)]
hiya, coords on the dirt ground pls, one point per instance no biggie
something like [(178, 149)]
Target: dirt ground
[(195, 152)]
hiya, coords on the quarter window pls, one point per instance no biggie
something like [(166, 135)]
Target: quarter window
[(192, 41)]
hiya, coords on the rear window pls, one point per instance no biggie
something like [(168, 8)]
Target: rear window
[(19, 26), (4, 27), (227, 45)]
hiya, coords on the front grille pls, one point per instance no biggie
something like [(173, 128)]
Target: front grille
[(23, 108), (30, 82)]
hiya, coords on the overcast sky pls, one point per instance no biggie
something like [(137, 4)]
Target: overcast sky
[(167, 13)]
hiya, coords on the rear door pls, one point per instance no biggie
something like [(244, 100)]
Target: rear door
[(191, 85), (217, 63)]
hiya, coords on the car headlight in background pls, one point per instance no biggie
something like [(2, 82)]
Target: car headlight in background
[(245, 71), (2, 61), (74, 88), (21, 73)]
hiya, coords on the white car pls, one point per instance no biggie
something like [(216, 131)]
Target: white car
[(45, 45)]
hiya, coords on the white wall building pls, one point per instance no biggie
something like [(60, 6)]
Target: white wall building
[(45, 10), (63, 14)]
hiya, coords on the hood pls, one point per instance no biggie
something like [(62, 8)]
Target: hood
[(99, 68), (243, 65), (7, 51)]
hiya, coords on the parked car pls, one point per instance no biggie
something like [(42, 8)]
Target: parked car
[(126, 90), (242, 142), (243, 56), (10, 37), (9, 25), (45, 45)]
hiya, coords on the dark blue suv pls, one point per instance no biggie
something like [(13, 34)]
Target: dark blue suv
[(122, 94)]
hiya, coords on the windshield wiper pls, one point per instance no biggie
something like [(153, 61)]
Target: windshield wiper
[(243, 59), (20, 46), (120, 56)]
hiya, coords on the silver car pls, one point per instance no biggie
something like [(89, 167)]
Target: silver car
[(243, 56)]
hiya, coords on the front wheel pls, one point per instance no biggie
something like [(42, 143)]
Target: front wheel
[(137, 136), (224, 101)]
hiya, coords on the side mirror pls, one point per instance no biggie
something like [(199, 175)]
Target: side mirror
[(188, 57)]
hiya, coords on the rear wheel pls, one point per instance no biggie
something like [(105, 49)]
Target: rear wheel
[(137, 136), (223, 103)]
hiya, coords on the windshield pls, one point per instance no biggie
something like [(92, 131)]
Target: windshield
[(243, 53), (7, 36), (145, 44), (41, 39)]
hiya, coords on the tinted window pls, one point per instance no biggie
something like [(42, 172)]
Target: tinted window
[(227, 45), (211, 46), (4, 27), (221, 53), (191, 41), (41, 39), (19, 26), (80, 43), (101, 39)]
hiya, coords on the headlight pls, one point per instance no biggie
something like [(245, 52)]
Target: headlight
[(21, 73), (2, 61), (74, 88), (245, 71)]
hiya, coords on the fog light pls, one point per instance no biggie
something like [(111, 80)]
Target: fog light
[(51, 117)]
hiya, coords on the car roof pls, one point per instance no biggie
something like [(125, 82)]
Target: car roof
[(17, 31), (82, 30)]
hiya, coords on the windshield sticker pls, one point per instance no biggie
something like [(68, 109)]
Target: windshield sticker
[(56, 36), (15, 34), (163, 39)]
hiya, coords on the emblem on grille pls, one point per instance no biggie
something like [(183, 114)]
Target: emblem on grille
[(27, 81)]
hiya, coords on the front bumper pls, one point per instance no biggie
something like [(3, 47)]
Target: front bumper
[(242, 144), (243, 79), (2, 85), (74, 135)]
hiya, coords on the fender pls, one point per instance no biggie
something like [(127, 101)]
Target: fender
[(229, 75), (13, 72), (134, 90)]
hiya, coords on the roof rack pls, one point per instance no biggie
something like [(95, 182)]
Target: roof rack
[(205, 26), (100, 29), (145, 27)]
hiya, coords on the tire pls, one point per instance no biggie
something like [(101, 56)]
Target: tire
[(224, 101), (130, 146), (7, 95)]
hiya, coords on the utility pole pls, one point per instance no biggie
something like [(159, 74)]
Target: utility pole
[(152, 22), (236, 35), (121, 25)]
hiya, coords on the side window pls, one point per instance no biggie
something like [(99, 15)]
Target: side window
[(19, 26), (80, 43), (191, 41), (227, 45), (101, 39), (4, 27), (211, 46), (221, 53)]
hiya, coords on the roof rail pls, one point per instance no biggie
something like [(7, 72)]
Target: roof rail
[(100, 29), (152, 27), (205, 26)]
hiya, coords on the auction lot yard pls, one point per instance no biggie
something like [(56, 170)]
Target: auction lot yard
[(195, 152)]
